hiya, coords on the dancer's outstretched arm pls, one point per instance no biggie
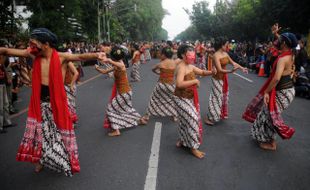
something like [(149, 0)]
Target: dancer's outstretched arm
[(15, 52), (81, 57), (201, 72), (237, 66), (218, 66), (104, 71)]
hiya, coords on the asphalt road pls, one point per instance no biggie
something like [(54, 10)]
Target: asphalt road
[(233, 160)]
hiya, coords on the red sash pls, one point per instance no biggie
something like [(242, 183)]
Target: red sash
[(224, 110), (197, 106), (257, 103)]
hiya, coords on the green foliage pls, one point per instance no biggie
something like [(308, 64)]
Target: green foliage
[(78, 19), (60, 16), (144, 23), (190, 34), (89, 19), (248, 19)]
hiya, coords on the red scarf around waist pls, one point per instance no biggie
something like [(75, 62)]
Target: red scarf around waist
[(58, 97), (257, 103)]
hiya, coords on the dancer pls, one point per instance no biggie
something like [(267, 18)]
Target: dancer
[(218, 100), (135, 74), (278, 92), (162, 99), (200, 55), (120, 113), (187, 103), (49, 138), (71, 77)]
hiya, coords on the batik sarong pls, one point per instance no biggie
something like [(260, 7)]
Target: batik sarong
[(71, 95), (120, 112), (135, 73), (188, 128), (162, 102), (263, 129), (218, 101), (44, 143)]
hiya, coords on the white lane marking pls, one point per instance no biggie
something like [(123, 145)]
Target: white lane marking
[(249, 80), (151, 177), (90, 79)]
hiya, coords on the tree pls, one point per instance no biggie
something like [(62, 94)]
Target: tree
[(8, 23), (190, 34), (63, 17), (249, 19)]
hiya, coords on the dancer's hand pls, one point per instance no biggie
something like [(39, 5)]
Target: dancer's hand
[(97, 67), (245, 70), (234, 69), (214, 71), (266, 99), (72, 88), (197, 83), (101, 56)]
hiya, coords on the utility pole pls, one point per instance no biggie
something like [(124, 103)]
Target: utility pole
[(98, 9), (108, 6), (104, 21), (108, 20)]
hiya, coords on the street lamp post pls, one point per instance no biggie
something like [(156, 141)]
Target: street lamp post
[(108, 6)]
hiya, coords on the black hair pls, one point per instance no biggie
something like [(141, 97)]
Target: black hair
[(136, 46), (169, 42), (117, 53), (219, 42), (167, 51), (106, 44), (183, 49)]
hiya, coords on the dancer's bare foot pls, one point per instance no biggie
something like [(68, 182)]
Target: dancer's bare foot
[(114, 133), (268, 146), (175, 119), (38, 167), (208, 122), (179, 144), (197, 153)]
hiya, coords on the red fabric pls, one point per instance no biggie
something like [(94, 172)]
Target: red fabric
[(107, 123), (58, 95), (74, 117), (224, 110), (274, 52), (58, 99), (197, 106), (257, 103)]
